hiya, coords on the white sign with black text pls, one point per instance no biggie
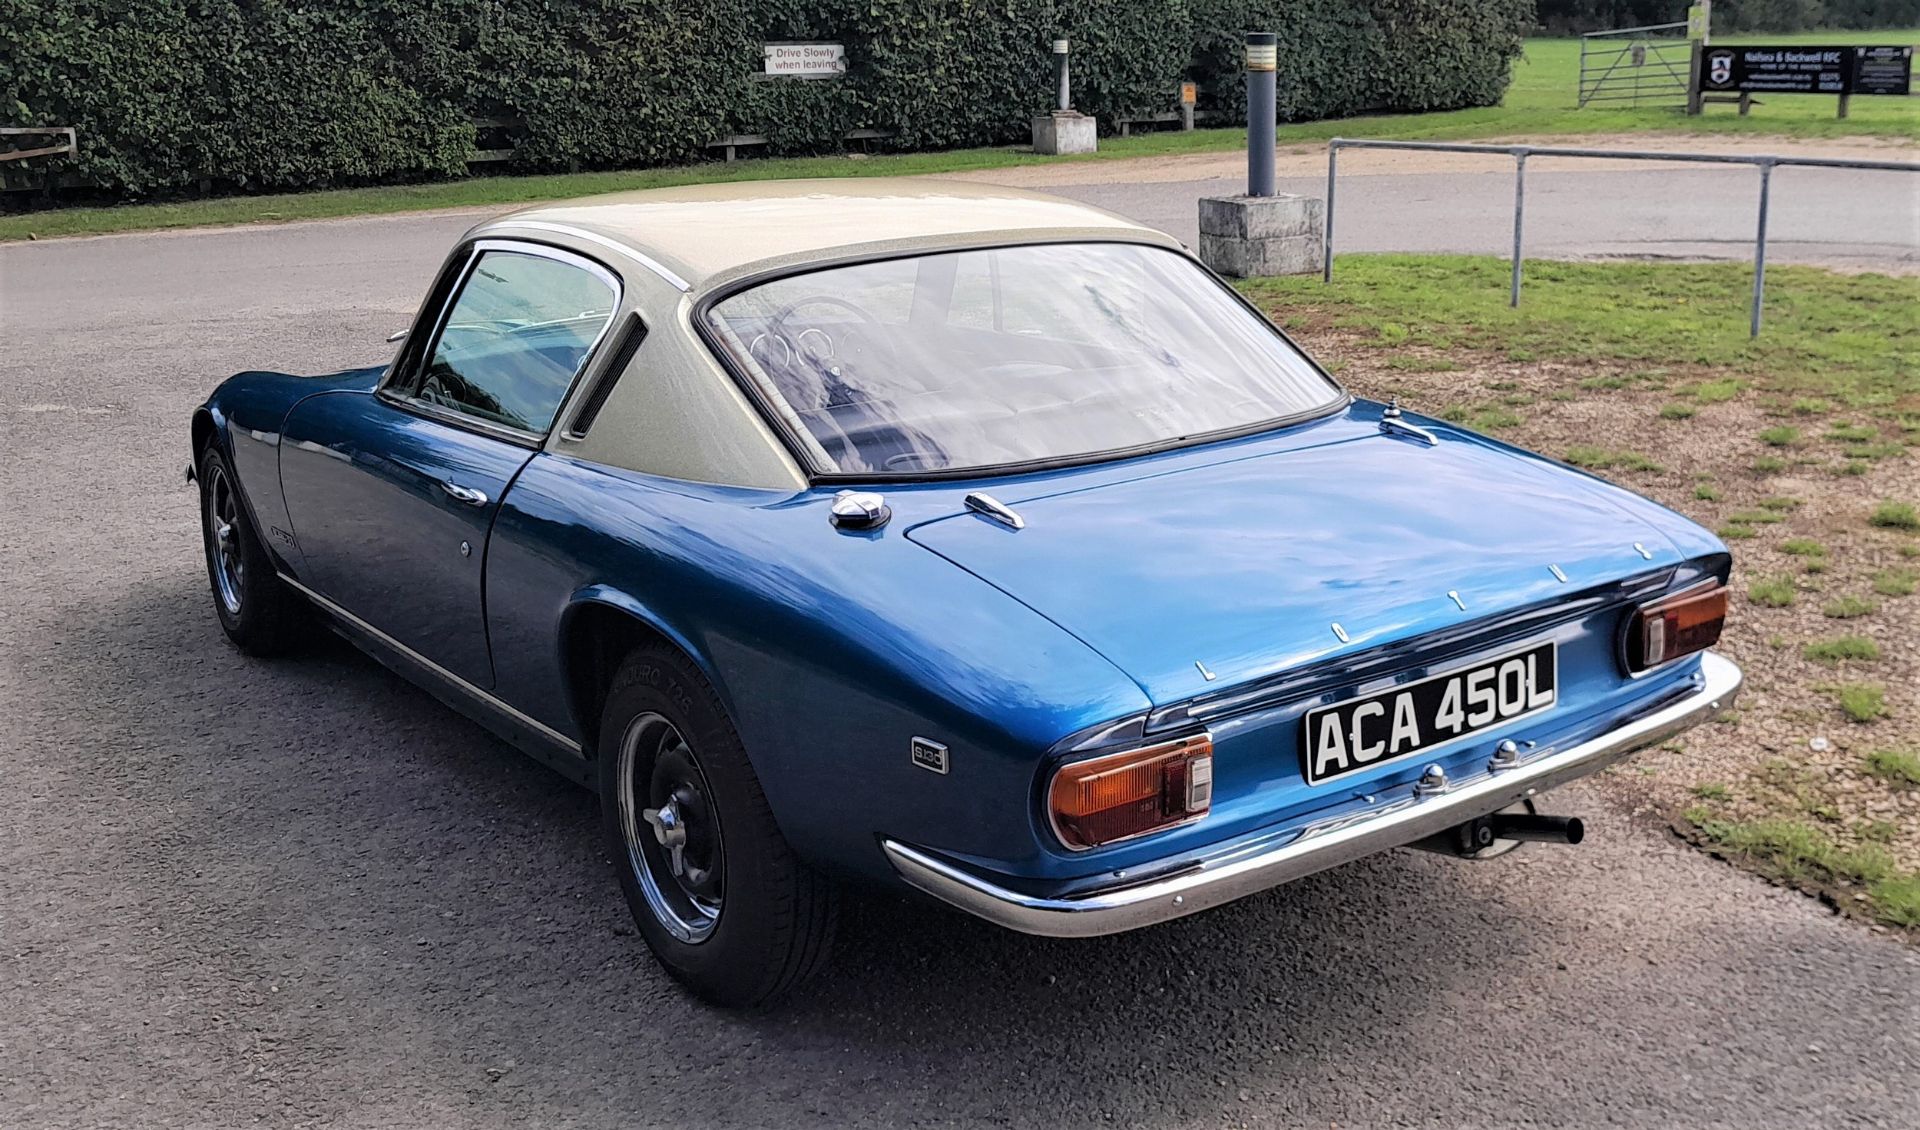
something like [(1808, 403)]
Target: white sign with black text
[(805, 60)]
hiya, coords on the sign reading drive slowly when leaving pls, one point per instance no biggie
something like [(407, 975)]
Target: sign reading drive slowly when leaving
[(806, 60)]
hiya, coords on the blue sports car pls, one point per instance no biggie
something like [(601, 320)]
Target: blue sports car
[(962, 540)]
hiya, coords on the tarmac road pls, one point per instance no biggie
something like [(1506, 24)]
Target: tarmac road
[(304, 893), (1415, 201), (1851, 220)]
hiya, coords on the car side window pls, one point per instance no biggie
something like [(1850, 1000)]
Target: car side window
[(515, 338)]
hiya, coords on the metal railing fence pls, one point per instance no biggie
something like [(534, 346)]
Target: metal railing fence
[(1632, 63), (1765, 163)]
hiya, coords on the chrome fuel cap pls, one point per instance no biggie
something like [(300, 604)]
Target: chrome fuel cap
[(859, 510)]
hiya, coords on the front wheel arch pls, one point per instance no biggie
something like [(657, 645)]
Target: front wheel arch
[(204, 431)]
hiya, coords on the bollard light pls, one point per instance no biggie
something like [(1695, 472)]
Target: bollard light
[(1263, 51), (1060, 70), (1263, 59), (1063, 129)]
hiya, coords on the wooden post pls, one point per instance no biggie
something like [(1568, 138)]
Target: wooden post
[(1693, 79), (1746, 103), (1699, 32), (1843, 104)]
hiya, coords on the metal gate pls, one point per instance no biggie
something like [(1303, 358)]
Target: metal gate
[(1635, 64)]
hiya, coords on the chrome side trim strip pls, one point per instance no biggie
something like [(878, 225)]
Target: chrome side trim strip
[(1315, 847), (641, 258), (449, 678)]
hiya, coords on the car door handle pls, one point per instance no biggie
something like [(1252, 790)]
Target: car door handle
[(467, 495)]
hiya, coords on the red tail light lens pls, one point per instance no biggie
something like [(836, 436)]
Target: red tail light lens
[(1675, 626), (1128, 794)]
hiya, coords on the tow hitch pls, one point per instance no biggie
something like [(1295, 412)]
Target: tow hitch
[(1497, 833)]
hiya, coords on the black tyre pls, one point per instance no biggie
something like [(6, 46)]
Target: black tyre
[(259, 613), (724, 903)]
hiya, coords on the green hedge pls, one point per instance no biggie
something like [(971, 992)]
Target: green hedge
[(278, 94), (1564, 17), (1339, 59), (166, 92), (1808, 15)]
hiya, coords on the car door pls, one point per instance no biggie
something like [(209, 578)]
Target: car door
[(392, 493)]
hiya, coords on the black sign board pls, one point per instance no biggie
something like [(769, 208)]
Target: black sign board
[(1777, 70), (1882, 70), (1807, 70)]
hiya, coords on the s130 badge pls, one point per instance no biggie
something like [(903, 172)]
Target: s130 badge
[(930, 755)]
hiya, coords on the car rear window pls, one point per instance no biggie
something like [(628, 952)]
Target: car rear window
[(1007, 356)]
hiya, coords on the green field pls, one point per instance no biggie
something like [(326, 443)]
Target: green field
[(1541, 102), (1544, 101), (1846, 342)]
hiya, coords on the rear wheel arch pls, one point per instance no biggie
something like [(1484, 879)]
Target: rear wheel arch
[(597, 634)]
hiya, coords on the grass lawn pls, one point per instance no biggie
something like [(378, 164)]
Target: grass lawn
[(1541, 102), (1851, 341), (1545, 89), (1798, 449)]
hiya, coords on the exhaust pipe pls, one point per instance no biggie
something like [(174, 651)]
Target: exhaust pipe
[(1535, 828)]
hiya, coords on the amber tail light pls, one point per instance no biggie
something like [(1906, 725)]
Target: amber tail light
[(1675, 626), (1127, 794)]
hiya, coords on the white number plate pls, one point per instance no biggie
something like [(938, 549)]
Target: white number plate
[(1413, 718)]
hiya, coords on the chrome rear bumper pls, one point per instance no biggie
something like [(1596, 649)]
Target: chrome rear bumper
[(1394, 822)]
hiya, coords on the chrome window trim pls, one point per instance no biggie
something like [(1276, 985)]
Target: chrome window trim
[(571, 232), (407, 358), (416, 361), (453, 418)]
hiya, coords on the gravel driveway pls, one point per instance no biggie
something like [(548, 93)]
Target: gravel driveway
[(302, 892)]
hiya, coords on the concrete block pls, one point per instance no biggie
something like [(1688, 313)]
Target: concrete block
[(1065, 131), (1259, 258), (1261, 217), (1254, 236)]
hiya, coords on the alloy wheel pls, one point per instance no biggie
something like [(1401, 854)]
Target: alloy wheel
[(671, 830), (223, 520)]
